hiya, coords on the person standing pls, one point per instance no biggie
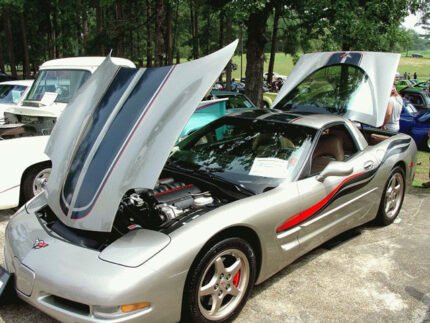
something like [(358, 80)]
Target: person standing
[(394, 109), (415, 75)]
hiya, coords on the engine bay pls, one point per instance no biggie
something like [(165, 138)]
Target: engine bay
[(172, 203), (169, 202)]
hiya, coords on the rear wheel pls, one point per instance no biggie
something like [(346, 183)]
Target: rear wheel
[(220, 282), (34, 180), (392, 198)]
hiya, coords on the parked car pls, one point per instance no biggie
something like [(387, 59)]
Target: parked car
[(12, 94), (422, 85), (235, 100), (420, 99), (56, 83), (143, 239), (275, 76), (5, 77), (403, 84), (416, 124), (24, 167)]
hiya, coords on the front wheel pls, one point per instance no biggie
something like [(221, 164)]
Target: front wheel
[(392, 198), (220, 282), (34, 180)]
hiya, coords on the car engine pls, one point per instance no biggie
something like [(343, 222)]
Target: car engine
[(155, 209)]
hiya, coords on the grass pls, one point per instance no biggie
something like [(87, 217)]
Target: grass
[(422, 169), (284, 64)]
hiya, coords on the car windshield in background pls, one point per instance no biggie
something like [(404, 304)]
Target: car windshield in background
[(11, 93), (238, 102), (62, 82), (333, 89), (243, 150)]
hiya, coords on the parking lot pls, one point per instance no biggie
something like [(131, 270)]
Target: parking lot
[(371, 274)]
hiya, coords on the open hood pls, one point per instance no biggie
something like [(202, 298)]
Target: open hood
[(117, 133), (356, 85)]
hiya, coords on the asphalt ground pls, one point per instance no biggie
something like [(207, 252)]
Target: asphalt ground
[(370, 274)]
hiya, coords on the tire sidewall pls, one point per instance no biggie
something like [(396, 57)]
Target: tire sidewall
[(190, 309), (28, 179), (382, 216)]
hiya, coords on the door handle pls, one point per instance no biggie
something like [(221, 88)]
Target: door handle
[(368, 165)]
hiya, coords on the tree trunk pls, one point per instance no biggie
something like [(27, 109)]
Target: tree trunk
[(194, 28), (120, 26), (175, 34), (159, 41), (221, 36), (229, 31), (256, 24), (208, 31), (1, 53), (26, 65), (9, 41), (84, 28), (99, 27), (148, 34), (273, 45), (169, 34)]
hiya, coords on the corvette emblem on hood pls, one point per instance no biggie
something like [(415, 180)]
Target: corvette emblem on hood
[(118, 132), (38, 244)]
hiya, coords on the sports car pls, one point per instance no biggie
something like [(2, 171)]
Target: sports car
[(416, 124), (134, 228)]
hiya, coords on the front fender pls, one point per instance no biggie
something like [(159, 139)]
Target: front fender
[(16, 156)]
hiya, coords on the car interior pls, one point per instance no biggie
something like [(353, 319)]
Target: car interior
[(335, 144)]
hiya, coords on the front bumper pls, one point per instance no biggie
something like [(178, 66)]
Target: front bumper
[(70, 283)]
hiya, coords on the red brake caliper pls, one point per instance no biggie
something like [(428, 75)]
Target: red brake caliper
[(236, 279)]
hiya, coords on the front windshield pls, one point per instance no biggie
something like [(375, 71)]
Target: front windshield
[(62, 82), (331, 89), (246, 151), (11, 93)]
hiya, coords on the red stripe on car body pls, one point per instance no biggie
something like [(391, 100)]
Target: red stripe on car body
[(300, 217)]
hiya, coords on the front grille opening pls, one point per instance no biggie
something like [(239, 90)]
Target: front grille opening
[(68, 305)]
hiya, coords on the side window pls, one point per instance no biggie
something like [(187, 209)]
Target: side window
[(334, 144)]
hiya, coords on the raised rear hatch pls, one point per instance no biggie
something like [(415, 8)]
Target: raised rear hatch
[(355, 85)]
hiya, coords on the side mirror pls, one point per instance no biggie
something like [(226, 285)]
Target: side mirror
[(335, 168)]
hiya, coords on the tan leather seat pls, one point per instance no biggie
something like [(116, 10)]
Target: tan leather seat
[(329, 148)]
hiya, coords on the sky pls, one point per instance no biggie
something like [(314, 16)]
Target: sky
[(410, 22)]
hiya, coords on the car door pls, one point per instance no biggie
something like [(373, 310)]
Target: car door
[(337, 203)]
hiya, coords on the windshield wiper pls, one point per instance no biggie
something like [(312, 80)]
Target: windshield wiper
[(209, 173)]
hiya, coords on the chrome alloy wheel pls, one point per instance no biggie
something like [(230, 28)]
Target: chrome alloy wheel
[(40, 180), (223, 284), (393, 195)]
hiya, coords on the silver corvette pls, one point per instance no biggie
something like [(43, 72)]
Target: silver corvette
[(133, 228)]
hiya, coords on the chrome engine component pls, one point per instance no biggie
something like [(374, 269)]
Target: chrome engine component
[(154, 209)]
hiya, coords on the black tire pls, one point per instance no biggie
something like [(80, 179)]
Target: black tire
[(29, 178), (220, 283), (265, 105), (387, 214)]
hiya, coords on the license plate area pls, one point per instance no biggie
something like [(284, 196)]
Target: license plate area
[(24, 278)]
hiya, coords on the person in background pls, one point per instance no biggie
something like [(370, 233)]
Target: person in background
[(415, 75), (409, 76), (394, 109), (405, 76), (233, 85)]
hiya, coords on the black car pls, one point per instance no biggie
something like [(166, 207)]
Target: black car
[(419, 98)]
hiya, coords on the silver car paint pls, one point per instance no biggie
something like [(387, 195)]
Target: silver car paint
[(140, 157), (102, 283), (80, 275)]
